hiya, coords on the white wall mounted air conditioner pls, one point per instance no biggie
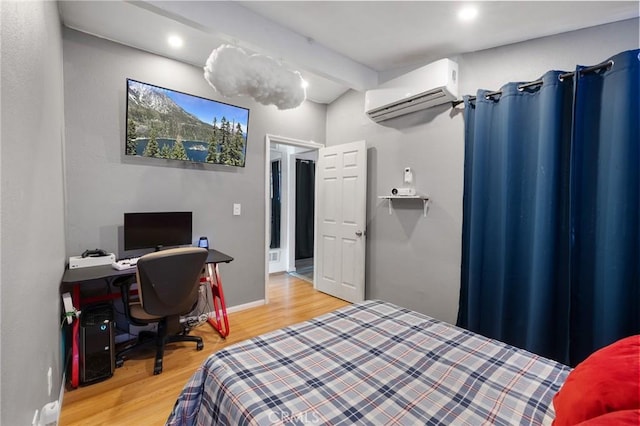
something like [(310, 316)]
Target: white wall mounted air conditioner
[(425, 87)]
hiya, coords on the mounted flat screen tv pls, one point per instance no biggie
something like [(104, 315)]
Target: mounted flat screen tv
[(164, 123)]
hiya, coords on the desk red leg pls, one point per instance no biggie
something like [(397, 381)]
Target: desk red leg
[(221, 322), (75, 335)]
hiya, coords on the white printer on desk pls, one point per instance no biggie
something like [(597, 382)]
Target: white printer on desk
[(95, 257)]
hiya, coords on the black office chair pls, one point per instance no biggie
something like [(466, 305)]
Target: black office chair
[(168, 283)]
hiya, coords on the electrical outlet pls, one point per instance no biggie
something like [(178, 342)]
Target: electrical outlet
[(237, 209)]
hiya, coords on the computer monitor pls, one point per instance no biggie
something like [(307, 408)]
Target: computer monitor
[(157, 230)]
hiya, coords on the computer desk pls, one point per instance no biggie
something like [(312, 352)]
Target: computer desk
[(73, 280)]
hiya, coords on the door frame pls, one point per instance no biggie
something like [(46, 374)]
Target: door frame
[(269, 139)]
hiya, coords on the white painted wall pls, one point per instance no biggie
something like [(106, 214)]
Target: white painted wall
[(412, 260), (32, 207)]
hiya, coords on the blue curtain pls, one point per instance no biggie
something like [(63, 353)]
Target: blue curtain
[(535, 159), (605, 206)]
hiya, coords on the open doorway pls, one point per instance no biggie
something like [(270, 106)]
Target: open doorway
[(290, 206), (292, 201)]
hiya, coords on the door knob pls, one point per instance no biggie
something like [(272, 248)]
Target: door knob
[(359, 233)]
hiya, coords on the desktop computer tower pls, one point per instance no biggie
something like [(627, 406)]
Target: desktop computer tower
[(97, 344)]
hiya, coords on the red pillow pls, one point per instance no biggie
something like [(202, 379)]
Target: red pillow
[(608, 380), (615, 418)]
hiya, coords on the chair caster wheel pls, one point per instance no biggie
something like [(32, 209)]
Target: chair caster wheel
[(199, 346), (119, 363), (157, 368)]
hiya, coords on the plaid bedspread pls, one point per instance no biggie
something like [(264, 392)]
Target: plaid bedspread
[(371, 363)]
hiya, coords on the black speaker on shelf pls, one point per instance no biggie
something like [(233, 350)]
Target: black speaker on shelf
[(97, 344)]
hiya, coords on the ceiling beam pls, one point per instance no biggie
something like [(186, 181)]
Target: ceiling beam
[(244, 28)]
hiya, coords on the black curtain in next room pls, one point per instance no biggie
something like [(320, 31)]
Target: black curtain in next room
[(305, 186), (275, 204)]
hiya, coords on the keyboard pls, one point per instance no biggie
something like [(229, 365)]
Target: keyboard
[(123, 264)]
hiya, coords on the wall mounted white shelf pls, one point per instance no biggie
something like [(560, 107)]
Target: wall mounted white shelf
[(390, 198)]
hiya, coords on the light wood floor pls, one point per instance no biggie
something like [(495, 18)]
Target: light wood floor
[(134, 396)]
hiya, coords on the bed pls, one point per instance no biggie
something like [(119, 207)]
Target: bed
[(371, 363)]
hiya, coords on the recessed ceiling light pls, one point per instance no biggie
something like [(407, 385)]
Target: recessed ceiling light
[(468, 13), (175, 41)]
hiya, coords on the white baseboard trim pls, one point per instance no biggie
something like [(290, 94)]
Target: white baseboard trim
[(244, 306)]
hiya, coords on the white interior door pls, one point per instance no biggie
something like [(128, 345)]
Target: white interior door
[(341, 192)]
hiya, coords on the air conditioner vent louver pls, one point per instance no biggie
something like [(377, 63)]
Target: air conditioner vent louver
[(415, 103), (425, 87)]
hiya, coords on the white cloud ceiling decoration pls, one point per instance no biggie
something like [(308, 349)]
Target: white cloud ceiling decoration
[(233, 72)]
